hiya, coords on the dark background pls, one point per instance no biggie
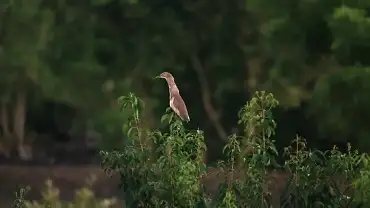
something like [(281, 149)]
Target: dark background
[(63, 64)]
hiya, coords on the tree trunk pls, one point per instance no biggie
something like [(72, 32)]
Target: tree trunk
[(19, 123), (5, 145), (4, 120)]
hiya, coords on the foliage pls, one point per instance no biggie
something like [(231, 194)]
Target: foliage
[(259, 125), (151, 174), (88, 52), (84, 198), (169, 172), (313, 55)]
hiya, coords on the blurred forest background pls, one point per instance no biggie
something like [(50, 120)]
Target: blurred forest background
[(64, 63)]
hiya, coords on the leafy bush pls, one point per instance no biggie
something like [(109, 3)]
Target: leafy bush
[(165, 169), (84, 198), (159, 169)]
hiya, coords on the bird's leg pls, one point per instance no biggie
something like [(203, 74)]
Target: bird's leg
[(171, 117)]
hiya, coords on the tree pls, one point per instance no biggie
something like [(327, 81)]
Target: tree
[(25, 34), (314, 51)]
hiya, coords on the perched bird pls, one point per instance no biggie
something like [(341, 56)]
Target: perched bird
[(176, 102)]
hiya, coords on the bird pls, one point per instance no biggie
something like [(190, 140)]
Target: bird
[(177, 104)]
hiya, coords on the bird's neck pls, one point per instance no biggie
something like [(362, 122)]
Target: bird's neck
[(172, 87)]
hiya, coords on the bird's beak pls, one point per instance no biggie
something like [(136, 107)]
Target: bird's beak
[(157, 77)]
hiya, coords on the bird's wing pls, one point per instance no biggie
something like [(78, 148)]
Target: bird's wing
[(180, 108), (173, 106)]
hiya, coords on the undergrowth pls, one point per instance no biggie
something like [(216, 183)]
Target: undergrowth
[(166, 168), (169, 172), (84, 198)]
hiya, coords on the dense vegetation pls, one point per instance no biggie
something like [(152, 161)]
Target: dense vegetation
[(165, 168), (313, 55), (65, 62)]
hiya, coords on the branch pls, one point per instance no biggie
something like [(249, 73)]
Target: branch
[(206, 98)]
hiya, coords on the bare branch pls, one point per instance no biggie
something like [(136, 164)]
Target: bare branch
[(206, 98)]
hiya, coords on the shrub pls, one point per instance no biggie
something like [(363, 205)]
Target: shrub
[(159, 169), (164, 169)]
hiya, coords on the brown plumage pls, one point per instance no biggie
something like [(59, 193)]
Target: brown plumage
[(177, 104)]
